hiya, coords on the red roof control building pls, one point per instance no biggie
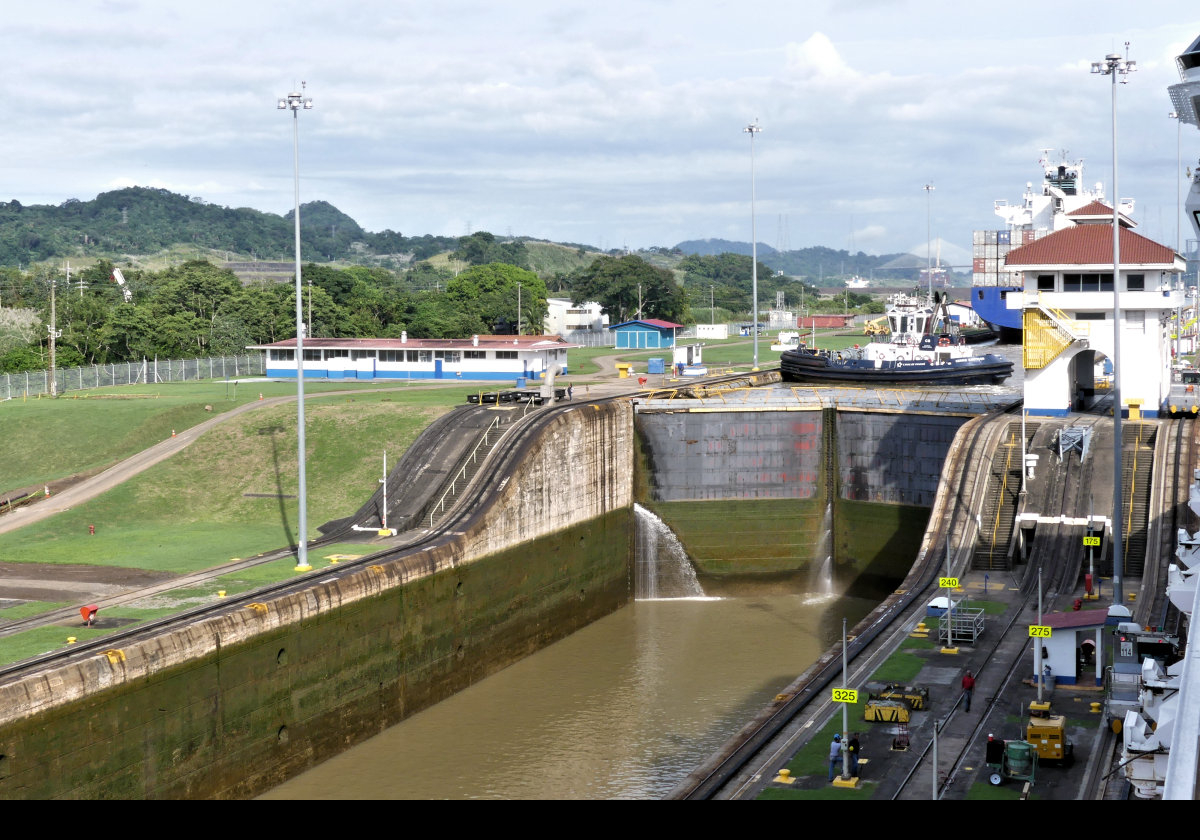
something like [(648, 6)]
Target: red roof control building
[(1067, 315)]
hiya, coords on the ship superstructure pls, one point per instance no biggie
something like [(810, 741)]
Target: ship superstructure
[(1061, 200)]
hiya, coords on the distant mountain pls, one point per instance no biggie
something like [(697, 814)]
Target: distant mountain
[(713, 247), (140, 220), (816, 265)]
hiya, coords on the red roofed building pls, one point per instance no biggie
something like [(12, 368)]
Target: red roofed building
[(1067, 314), (490, 357)]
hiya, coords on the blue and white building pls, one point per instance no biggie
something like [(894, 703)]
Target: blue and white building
[(645, 334), (480, 357)]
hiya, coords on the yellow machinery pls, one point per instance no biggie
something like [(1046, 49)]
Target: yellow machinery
[(1047, 733), (913, 696), (877, 326), (886, 711)]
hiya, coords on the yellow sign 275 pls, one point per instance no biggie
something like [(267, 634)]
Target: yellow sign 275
[(1039, 631)]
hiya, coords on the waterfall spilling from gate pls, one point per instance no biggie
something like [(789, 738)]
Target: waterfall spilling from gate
[(661, 566)]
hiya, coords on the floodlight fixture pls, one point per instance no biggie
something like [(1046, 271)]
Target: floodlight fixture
[(752, 129), (296, 102), (1117, 68)]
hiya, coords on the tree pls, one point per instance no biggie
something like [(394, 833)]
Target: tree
[(623, 285), (19, 327), (490, 293), (481, 248)]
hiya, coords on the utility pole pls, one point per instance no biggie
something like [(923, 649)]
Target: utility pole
[(54, 334)]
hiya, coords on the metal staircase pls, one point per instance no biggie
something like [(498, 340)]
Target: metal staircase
[(1047, 333), (1137, 469), (1000, 501), (465, 472)]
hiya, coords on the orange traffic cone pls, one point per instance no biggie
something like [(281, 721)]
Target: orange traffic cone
[(172, 433)]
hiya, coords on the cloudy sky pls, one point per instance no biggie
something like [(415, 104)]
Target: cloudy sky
[(616, 124)]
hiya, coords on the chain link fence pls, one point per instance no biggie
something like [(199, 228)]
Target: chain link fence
[(35, 383)]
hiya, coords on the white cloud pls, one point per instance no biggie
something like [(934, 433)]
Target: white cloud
[(818, 58), (568, 120)]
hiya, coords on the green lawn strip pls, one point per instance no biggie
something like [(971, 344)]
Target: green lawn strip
[(90, 430), (901, 667), (30, 608), (1007, 791), (41, 640), (219, 498), (988, 607), (865, 790)]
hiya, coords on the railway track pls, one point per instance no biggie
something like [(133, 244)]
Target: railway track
[(746, 765), (417, 468)]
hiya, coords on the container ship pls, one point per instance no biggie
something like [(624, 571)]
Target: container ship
[(1060, 201)]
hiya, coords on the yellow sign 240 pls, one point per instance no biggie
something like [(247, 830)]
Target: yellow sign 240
[(845, 695), (948, 583)]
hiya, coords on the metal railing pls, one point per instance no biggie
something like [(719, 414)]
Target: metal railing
[(36, 383), (461, 476)]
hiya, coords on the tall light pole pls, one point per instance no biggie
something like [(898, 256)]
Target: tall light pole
[(753, 129), (1178, 221), (1115, 66), (929, 237), (295, 102)]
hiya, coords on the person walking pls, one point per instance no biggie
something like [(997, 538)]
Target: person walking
[(835, 757), (570, 392), (968, 686)]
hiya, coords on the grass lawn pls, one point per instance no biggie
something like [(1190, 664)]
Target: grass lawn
[(28, 608), (87, 431), (220, 497), (736, 352)]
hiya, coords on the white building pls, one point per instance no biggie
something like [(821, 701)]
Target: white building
[(1067, 310), (563, 317), (488, 357)]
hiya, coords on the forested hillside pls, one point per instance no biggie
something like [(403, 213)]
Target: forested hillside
[(140, 220)]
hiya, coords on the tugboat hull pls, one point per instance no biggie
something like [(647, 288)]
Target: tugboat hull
[(806, 365)]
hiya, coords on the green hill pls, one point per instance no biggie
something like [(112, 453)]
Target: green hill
[(140, 221)]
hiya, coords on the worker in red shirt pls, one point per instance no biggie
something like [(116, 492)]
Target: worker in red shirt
[(968, 685)]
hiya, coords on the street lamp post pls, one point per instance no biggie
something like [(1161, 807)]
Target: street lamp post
[(753, 129), (295, 102), (1116, 67)]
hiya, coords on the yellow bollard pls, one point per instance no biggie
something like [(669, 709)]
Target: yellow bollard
[(784, 777), (1095, 708), (220, 593), (70, 640)]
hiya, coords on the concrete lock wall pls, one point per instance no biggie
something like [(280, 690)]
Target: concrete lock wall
[(752, 492), (231, 705)]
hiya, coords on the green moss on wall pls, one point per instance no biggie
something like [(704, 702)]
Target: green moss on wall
[(239, 721)]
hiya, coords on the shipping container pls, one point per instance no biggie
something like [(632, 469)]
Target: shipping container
[(1002, 237)]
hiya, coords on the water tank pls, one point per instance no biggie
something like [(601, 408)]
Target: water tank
[(1020, 758)]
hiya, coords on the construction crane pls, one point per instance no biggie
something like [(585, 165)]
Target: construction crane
[(120, 281)]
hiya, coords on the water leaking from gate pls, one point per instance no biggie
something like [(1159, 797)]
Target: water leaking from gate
[(661, 565)]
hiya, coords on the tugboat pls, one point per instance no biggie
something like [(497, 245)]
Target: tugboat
[(922, 348)]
